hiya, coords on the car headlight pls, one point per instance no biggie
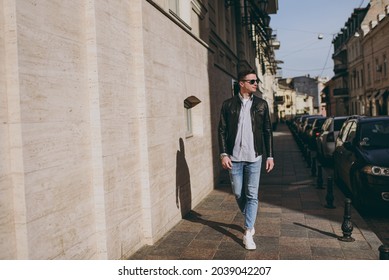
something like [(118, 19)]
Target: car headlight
[(376, 170)]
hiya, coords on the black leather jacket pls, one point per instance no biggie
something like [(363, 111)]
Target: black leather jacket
[(261, 124)]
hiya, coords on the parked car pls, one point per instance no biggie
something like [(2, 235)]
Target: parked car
[(313, 132), (361, 160), (307, 124), (325, 142), (300, 124), (296, 121)]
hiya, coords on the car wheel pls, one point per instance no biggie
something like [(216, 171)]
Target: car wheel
[(356, 189)]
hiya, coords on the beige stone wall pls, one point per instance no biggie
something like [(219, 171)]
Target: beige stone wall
[(7, 234), (176, 67), (91, 113), (116, 67), (48, 131)]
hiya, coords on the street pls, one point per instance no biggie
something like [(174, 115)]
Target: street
[(378, 221)]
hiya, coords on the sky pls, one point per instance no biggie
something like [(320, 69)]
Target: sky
[(299, 24)]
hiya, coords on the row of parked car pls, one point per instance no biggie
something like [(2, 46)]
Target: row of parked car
[(319, 133), (358, 148)]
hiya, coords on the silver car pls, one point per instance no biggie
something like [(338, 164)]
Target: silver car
[(329, 132)]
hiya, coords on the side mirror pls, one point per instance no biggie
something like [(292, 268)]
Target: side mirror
[(365, 142)]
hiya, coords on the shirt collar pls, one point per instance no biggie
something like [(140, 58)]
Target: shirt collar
[(241, 97)]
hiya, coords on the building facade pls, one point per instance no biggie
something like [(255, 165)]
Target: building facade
[(375, 45), (291, 101), (108, 117), (360, 84)]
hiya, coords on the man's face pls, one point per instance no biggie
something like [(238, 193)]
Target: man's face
[(249, 84)]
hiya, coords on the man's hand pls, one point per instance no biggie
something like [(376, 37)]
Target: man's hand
[(226, 162), (269, 165)]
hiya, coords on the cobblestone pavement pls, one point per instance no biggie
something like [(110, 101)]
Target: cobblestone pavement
[(292, 223)]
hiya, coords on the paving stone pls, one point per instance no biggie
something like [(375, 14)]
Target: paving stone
[(327, 243), (193, 253), (267, 228), (230, 255), (178, 238), (356, 254), (199, 243), (166, 251), (327, 253), (261, 255)]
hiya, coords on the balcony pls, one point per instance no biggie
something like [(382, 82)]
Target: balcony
[(340, 92), (340, 67), (275, 44)]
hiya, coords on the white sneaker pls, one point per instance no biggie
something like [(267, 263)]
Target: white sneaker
[(248, 240)]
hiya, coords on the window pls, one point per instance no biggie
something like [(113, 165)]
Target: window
[(343, 133), (197, 15), (174, 6), (377, 69), (375, 135), (189, 103), (358, 81), (327, 124), (181, 12), (220, 15), (384, 66), (368, 74), (351, 133), (188, 118), (338, 123)]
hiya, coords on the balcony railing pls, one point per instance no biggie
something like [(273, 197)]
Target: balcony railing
[(341, 92), (340, 67)]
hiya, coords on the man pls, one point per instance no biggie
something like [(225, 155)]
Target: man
[(244, 136)]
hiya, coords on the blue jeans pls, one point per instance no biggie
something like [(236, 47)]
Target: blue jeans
[(245, 186)]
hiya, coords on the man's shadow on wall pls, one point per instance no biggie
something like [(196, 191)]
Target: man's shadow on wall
[(183, 187), (184, 198)]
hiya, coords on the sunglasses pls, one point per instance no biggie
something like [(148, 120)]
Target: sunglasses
[(252, 81)]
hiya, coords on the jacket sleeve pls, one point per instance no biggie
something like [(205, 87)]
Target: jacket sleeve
[(268, 133), (222, 130)]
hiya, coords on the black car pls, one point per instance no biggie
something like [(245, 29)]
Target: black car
[(361, 160), (300, 124), (307, 125), (313, 132)]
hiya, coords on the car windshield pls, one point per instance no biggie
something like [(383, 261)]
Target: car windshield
[(375, 134)]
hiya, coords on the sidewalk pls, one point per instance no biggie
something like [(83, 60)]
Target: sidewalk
[(292, 222)]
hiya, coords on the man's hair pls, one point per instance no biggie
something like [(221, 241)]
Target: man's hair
[(244, 73)]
